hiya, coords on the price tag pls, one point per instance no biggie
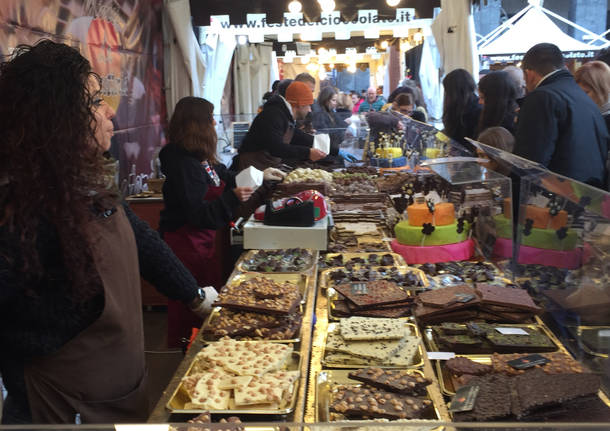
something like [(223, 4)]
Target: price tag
[(512, 331), (464, 399), (359, 289), (528, 362), (441, 356)]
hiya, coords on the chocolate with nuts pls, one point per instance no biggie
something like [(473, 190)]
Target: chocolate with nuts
[(399, 381), (246, 296), (365, 401)]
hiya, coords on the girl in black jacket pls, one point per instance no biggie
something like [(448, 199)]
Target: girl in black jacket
[(200, 197)]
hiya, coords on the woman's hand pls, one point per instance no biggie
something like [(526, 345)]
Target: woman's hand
[(315, 154), (243, 193), (273, 174)]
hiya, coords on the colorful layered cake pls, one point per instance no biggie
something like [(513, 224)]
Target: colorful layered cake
[(544, 236), (432, 234)]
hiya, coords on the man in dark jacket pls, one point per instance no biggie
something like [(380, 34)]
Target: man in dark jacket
[(273, 136), (559, 125)]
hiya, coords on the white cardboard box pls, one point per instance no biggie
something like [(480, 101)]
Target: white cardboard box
[(260, 236)]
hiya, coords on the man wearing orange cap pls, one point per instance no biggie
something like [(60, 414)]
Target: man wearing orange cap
[(273, 137)]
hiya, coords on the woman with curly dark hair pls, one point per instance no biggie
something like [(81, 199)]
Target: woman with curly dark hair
[(71, 253), (461, 108), (498, 95)]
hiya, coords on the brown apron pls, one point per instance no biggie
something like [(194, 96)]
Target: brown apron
[(262, 160), (100, 374)]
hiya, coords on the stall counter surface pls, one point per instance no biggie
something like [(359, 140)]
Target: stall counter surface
[(161, 414)]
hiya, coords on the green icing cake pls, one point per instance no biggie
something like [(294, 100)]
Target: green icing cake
[(442, 235), (546, 239)]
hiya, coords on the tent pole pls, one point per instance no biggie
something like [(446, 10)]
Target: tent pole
[(576, 26), (505, 25)]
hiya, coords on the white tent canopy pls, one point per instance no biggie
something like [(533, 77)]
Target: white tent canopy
[(526, 29)]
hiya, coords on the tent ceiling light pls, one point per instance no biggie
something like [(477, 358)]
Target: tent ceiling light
[(392, 3), (418, 37), (327, 5), (242, 39), (384, 44), (295, 6)]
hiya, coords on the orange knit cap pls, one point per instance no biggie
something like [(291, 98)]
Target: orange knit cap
[(299, 94)]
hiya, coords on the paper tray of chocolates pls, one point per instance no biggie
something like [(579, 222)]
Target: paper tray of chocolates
[(295, 260), (476, 338), (406, 277), (360, 341), (332, 260), (341, 398), (240, 377), (249, 326)]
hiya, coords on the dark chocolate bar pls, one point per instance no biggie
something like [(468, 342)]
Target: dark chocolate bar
[(399, 381)]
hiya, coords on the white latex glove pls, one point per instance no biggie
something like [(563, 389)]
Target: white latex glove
[(273, 174), (203, 309)]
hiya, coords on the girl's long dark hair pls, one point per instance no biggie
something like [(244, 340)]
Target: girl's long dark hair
[(459, 94), (192, 128), (498, 91), (50, 164), (324, 97)]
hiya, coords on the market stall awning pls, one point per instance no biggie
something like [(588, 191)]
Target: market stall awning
[(533, 26)]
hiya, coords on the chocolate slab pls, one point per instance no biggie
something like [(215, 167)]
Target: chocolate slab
[(534, 342), (398, 381), (242, 297), (377, 293), (447, 296), (235, 324), (515, 298), (537, 390), (461, 365), (365, 401), (560, 363), (493, 401)]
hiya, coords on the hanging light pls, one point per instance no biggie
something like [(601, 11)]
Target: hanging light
[(392, 3), (384, 44), (417, 37), (327, 5), (331, 66), (242, 39), (351, 68), (322, 51), (295, 6)]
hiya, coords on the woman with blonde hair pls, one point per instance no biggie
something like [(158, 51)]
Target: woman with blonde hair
[(594, 78)]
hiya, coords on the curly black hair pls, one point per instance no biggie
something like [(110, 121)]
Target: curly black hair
[(50, 163)]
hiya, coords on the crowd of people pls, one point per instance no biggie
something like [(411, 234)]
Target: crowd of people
[(540, 112)]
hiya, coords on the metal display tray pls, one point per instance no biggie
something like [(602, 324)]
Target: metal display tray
[(399, 261), (243, 264), (325, 281), (209, 322), (180, 398), (327, 380), (432, 346), (418, 361)]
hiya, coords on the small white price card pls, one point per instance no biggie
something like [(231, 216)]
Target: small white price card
[(512, 331), (603, 333), (441, 356)]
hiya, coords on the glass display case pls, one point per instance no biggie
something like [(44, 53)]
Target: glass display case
[(561, 254)]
